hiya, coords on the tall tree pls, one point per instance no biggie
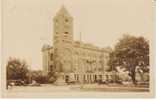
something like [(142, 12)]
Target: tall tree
[(131, 52)]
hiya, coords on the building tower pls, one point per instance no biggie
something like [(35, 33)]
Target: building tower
[(63, 39)]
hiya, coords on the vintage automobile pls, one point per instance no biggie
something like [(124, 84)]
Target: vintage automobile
[(16, 83)]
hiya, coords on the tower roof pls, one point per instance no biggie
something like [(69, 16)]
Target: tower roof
[(63, 11)]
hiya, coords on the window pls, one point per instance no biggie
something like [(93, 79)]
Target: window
[(66, 20), (51, 57), (56, 23), (51, 67), (65, 36), (75, 76), (65, 32), (56, 20)]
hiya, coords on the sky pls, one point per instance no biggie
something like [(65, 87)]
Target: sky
[(28, 24)]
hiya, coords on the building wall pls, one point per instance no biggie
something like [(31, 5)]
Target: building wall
[(47, 58), (85, 61)]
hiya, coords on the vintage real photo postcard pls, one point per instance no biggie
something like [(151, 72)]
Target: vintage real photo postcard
[(77, 48)]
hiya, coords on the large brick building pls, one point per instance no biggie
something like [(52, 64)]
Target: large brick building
[(75, 60)]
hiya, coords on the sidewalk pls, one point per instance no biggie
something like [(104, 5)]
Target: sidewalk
[(113, 88)]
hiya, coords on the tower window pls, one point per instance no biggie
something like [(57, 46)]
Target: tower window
[(65, 32), (66, 20), (65, 36)]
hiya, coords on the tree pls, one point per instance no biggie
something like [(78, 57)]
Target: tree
[(16, 69), (130, 52)]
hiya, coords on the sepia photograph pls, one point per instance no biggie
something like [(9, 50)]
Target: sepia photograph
[(77, 48)]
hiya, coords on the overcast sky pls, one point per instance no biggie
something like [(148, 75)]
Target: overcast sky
[(28, 24)]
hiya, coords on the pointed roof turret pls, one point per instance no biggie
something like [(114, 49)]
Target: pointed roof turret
[(63, 11)]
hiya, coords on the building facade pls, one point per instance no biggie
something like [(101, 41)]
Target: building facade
[(75, 60)]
